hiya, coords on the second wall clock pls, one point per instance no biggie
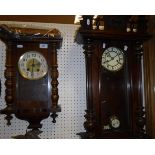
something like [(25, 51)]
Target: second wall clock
[(114, 76)]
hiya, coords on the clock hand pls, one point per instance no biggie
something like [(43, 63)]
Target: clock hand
[(108, 55), (114, 56), (32, 68), (107, 61), (37, 64), (118, 62)]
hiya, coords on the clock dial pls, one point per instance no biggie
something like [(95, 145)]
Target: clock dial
[(32, 65), (114, 122), (112, 59)]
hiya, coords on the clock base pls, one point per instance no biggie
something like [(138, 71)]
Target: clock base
[(34, 125), (84, 135), (111, 135)]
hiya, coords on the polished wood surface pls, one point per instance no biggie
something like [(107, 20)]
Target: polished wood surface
[(149, 77), (62, 19), (113, 93)]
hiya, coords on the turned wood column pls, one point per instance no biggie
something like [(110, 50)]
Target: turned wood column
[(139, 113), (9, 83), (54, 82), (89, 124)]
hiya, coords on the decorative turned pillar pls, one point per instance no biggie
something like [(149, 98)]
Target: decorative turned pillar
[(9, 83), (140, 120), (89, 124), (54, 83)]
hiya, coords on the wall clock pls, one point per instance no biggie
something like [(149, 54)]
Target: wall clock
[(31, 74), (114, 76)]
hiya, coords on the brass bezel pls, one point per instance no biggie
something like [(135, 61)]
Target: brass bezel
[(22, 73)]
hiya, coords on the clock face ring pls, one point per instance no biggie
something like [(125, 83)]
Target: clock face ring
[(113, 59), (32, 65)]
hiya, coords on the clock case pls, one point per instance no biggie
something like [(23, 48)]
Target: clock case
[(118, 93), (31, 100)]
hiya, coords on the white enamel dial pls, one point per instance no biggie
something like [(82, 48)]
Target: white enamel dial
[(114, 122), (112, 59), (32, 65)]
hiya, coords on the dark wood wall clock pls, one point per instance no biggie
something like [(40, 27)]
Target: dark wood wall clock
[(31, 74), (113, 57)]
